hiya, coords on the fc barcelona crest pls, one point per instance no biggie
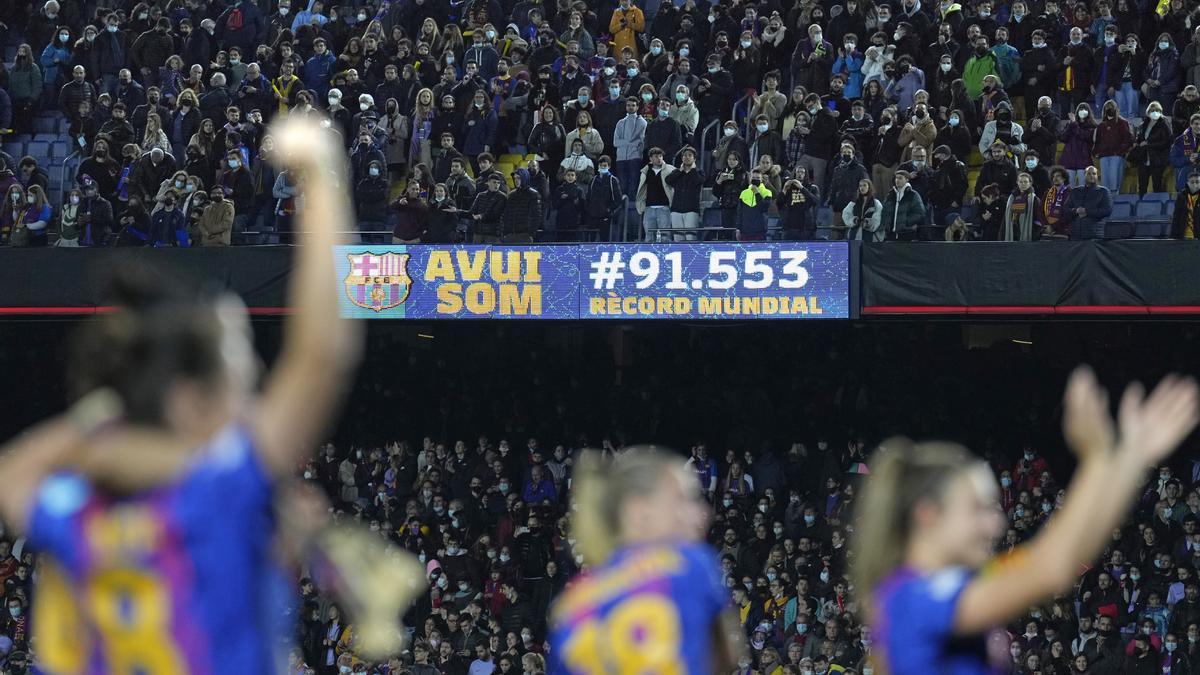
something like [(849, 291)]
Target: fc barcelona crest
[(378, 282)]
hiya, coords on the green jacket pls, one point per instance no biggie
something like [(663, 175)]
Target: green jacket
[(978, 67), (25, 83), (902, 217)]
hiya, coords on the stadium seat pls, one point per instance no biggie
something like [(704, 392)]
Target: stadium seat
[(1121, 211), (1156, 197), (15, 148), (1151, 229), (45, 125), (59, 149), (1118, 229), (38, 148), (1148, 209), (1125, 198), (509, 159)]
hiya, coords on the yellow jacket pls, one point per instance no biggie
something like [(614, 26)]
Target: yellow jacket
[(624, 26)]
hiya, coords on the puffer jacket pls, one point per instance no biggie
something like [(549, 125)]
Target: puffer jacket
[(902, 213)]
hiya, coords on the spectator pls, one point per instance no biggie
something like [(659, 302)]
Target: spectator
[(629, 139), (1162, 75), (24, 89), (753, 203), (410, 212), (997, 170), (1185, 152), (371, 200), (29, 226), (765, 142), (487, 212), (75, 92), (1114, 139), (1088, 207), (686, 185), (903, 211), (1187, 208), (654, 195), (168, 225), (593, 143), (798, 207), (29, 173), (56, 56), (568, 202), (234, 180), (441, 222), (604, 202), (216, 220), (1152, 149), (523, 211), (1020, 212), (626, 26), (154, 137), (727, 186), (863, 213)]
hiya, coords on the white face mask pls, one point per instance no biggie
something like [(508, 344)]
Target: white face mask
[(1164, 45), (945, 67), (1083, 114), (729, 132), (1030, 163), (1155, 115), (364, 106)]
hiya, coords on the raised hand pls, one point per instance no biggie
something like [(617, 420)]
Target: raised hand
[(1087, 423), (1152, 427)]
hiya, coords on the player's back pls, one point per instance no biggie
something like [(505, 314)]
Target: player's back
[(650, 609), (175, 580)]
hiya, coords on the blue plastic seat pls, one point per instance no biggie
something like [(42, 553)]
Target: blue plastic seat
[(44, 126), (1170, 210), (37, 148), (1149, 209), (1156, 197), (1124, 198), (59, 149), (15, 148), (1118, 229), (1121, 210), (1151, 229)]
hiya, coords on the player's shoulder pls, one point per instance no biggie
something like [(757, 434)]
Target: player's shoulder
[(910, 586)]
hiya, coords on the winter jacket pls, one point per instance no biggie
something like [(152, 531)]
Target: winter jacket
[(686, 187), (409, 219), (216, 224), (843, 181), (603, 199), (903, 212), (523, 212), (1078, 140), (1113, 138), (490, 205), (1098, 205), (629, 138), (665, 171), (568, 201), (479, 131), (865, 224), (753, 203), (25, 83)]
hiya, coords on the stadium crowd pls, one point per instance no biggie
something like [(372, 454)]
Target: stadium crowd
[(486, 511), (501, 121)]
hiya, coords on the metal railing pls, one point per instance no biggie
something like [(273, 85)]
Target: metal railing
[(705, 159), (743, 122)]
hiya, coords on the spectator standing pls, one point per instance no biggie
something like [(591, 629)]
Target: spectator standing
[(487, 212), (168, 225), (410, 212), (1088, 207), (77, 91), (522, 212), (1185, 223), (903, 211), (56, 58), (727, 186), (1021, 213), (1079, 138), (862, 215), (798, 207), (654, 195), (1163, 76), (686, 185), (604, 202), (848, 171), (1056, 221), (568, 202), (234, 180), (626, 27), (1185, 152), (629, 138), (1152, 148), (370, 200), (1114, 139), (216, 220)]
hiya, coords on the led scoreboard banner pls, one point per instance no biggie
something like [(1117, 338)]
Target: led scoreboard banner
[(761, 280)]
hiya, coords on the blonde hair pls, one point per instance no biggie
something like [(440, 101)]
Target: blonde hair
[(600, 487), (903, 473)]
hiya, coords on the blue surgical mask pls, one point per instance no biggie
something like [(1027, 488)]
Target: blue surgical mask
[(633, 72), (374, 171), (809, 520), (802, 628), (684, 51), (656, 50), (663, 112), (583, 99), (603, 171), (762, 128), (953, 121), (1005, 481), (233, 163)]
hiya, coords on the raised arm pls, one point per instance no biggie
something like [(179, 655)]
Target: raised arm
[(320, 349), (1104, 487)]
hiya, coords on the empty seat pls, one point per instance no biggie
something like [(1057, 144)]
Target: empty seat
[(1124, 198), (509, 159), (1148, 209), (1156, 197), (1121, 210), (37, 148), (48, 137), (15, 148), (1118, 229), (45, 125), (1151, 229), (59, 149)]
